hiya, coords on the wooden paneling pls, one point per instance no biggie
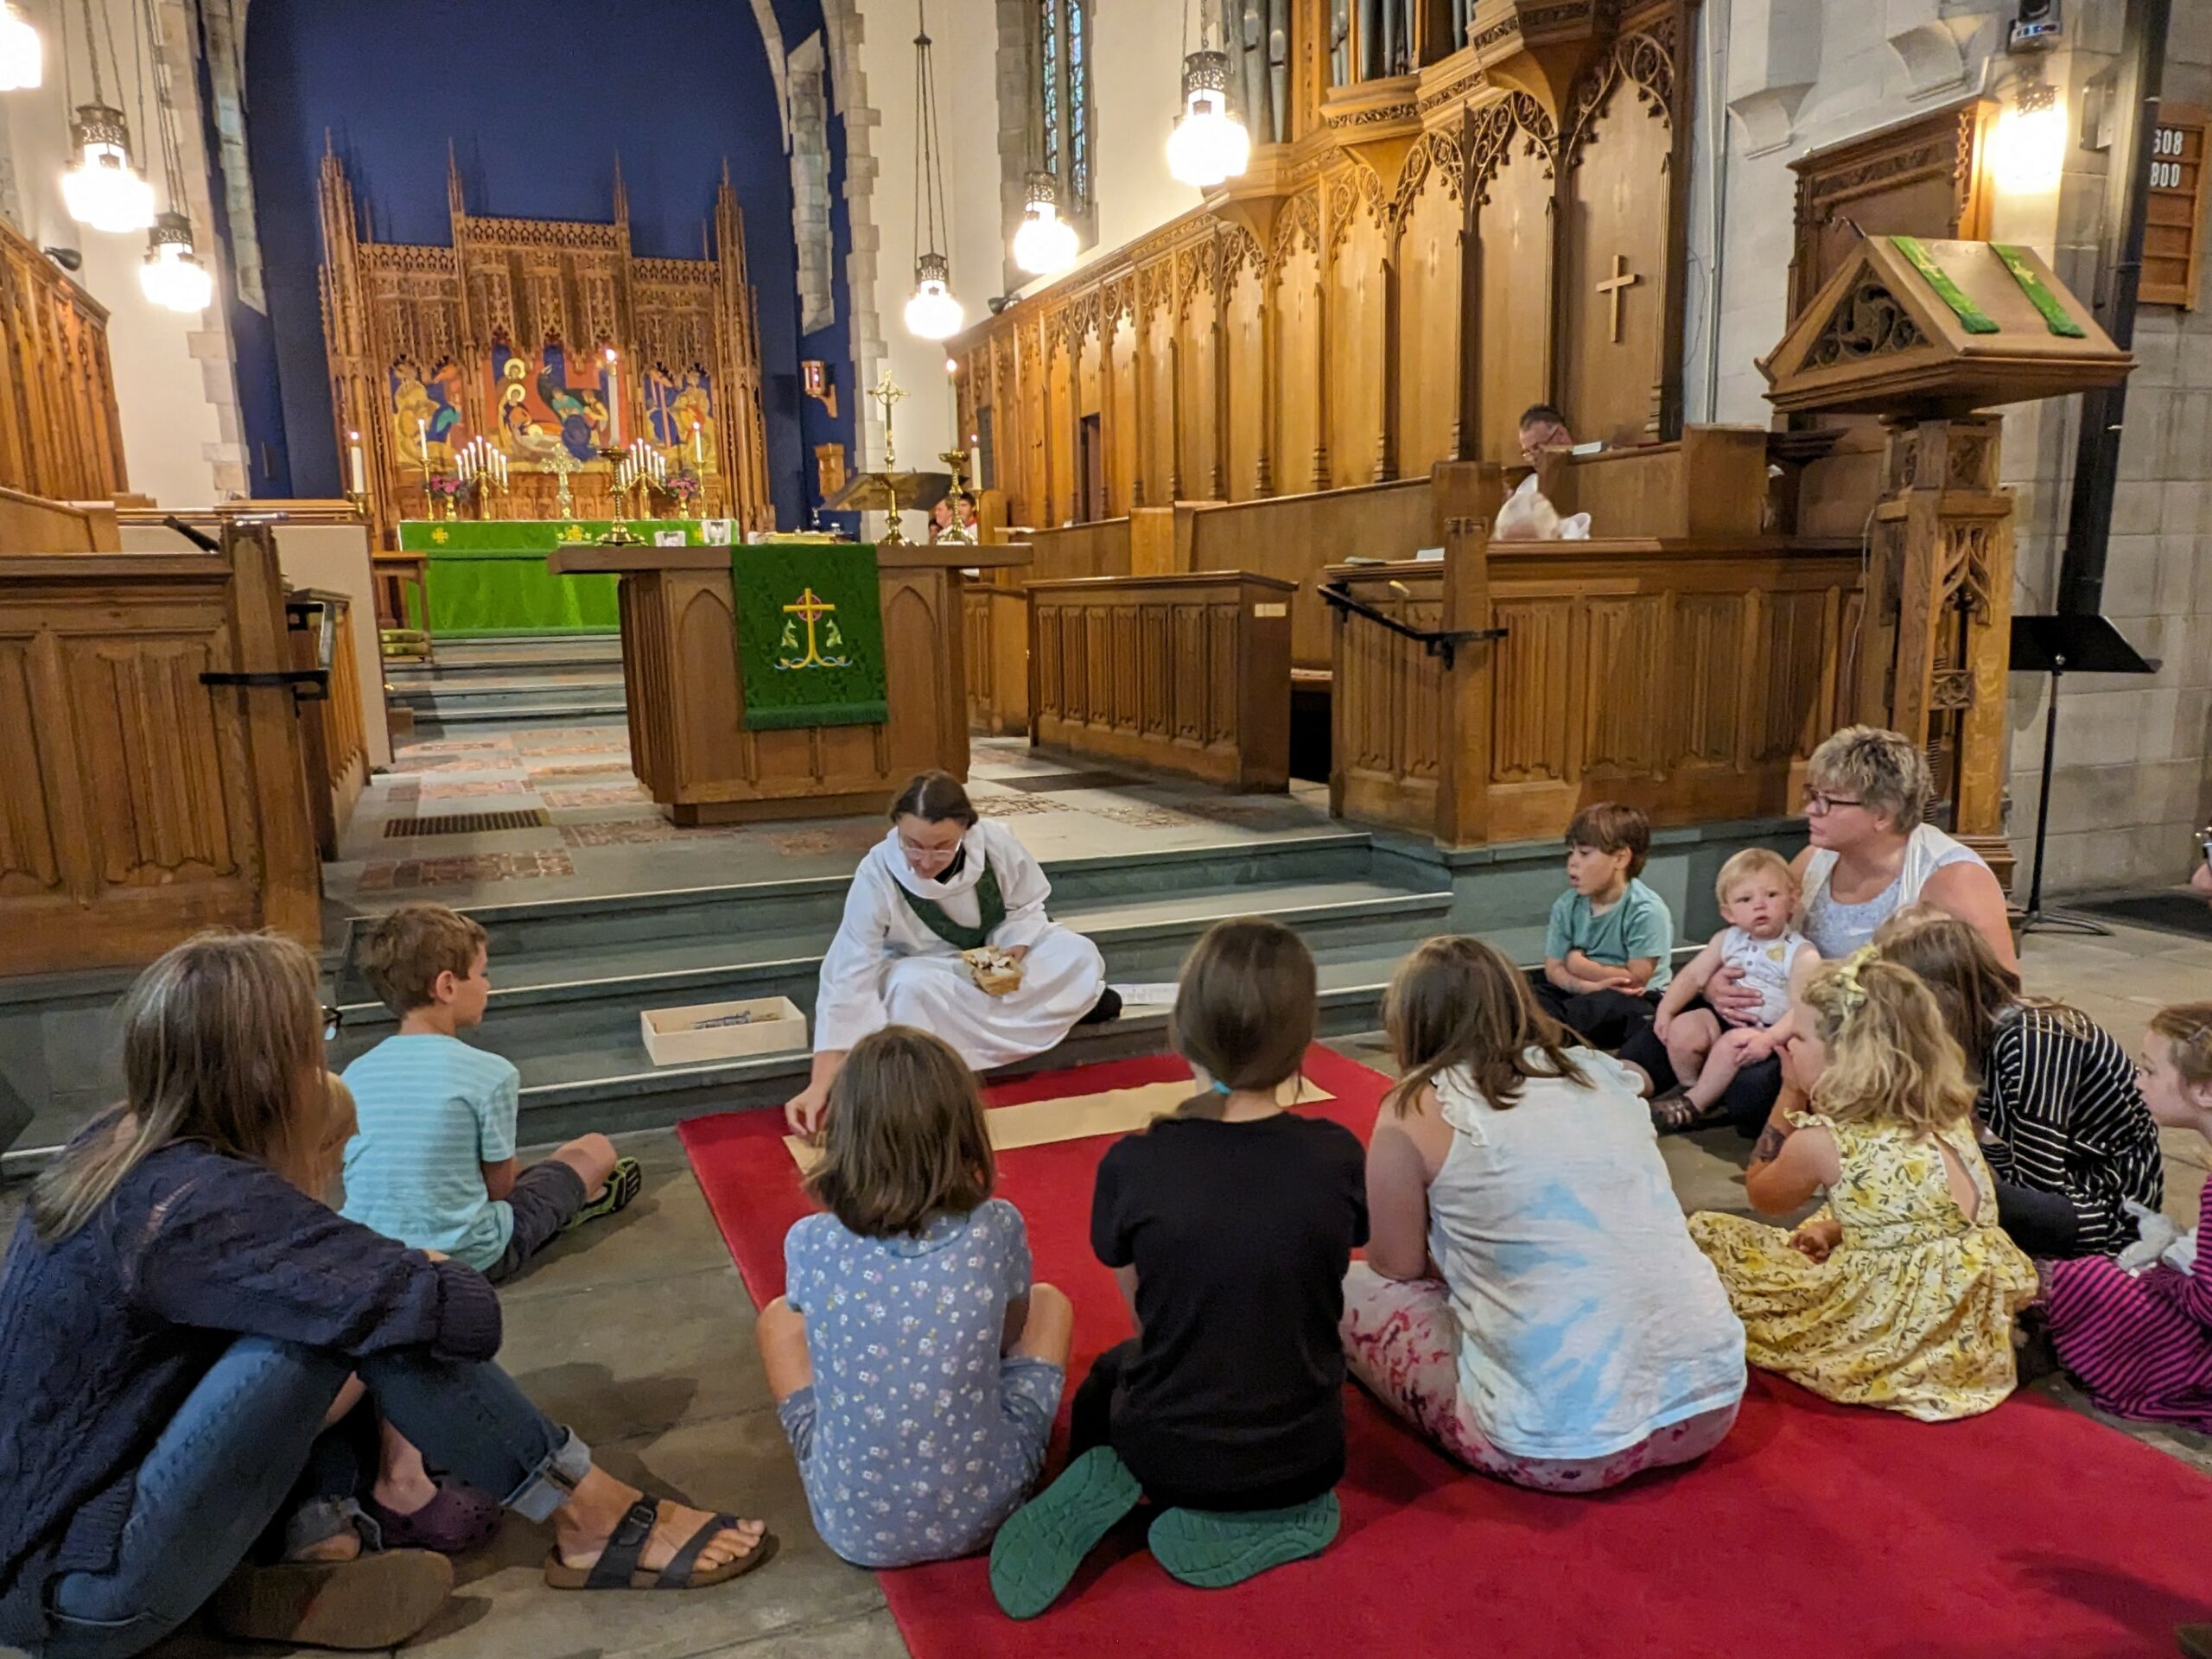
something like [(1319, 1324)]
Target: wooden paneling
[(1688, 678), (31, 523), (141, 804), (1184, 674), (1294, 538), (997, 643), (689, 745), (60, 434), (1391, 290), (1710, 481)]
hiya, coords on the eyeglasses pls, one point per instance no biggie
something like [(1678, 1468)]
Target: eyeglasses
[(1821, 803), (332, 1019)]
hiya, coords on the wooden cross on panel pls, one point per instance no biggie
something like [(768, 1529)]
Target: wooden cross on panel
[(1612, 287)]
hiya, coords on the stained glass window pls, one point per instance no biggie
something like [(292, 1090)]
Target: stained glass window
[(1061, 109)]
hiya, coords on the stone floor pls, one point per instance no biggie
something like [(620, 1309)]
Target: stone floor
[(605, 836)]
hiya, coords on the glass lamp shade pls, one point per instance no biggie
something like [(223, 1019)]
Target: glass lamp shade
[(2028, 149), (1209, 144), (22, 55), (933, 313), (103, 190), (1044, 244), (173, 277)]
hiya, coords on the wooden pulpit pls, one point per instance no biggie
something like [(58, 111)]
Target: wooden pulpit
[(1925, 334), (689, 744)]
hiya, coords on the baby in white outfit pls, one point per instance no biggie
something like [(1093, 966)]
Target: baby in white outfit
[(1758, 900)]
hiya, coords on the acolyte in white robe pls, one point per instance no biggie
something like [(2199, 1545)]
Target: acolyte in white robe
[(885, 967)]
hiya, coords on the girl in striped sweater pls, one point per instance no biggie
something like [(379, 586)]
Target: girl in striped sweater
[(2143, 1345)]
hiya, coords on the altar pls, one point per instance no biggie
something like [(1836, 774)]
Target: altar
[(692, 744)]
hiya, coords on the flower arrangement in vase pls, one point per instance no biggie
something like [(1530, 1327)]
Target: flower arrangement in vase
[(445, 490), (684, 486)]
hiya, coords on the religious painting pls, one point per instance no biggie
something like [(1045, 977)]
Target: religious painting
[(427, 422), (549, 406), (680, 413)]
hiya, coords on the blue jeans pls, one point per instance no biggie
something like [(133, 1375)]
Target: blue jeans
[(230, 1457)]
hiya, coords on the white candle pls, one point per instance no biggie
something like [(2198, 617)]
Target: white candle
[(613, 401), (699, 445), (353, 457), (423, 436)]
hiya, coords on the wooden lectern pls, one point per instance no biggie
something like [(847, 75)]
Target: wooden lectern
[(688, 743), (1924, 334)]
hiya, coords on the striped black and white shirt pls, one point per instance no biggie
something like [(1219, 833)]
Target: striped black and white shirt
[(2061, 1097)]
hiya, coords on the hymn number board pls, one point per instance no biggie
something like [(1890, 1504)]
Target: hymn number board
[(2173, 229)]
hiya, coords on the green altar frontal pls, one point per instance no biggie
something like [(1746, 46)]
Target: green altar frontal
[(489, 579)]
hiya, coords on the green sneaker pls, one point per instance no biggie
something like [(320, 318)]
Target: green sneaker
[(1043, 1542), (1213, 1550), (624, 1183)]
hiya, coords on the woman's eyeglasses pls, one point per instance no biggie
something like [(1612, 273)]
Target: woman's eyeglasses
[(332, 1019), (1819, 803)]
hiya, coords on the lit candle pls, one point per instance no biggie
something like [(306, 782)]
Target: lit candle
[(423, 436), (699, 445), (613, 401), (354, 456)]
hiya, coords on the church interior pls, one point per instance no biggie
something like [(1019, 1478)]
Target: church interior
[(504, 474)]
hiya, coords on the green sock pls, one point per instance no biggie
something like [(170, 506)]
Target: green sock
[(1213, 1549), (1043, 1541)]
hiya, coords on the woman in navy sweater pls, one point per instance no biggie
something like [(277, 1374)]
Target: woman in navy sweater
[(181, 1319)]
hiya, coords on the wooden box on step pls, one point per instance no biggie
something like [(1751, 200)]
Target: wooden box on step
[(722, 1031)]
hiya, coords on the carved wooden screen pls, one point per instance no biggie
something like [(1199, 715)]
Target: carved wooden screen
[(60, 436), (503, 336), (1922, 177)]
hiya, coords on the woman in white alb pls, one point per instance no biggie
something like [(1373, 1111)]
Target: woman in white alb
[(941, 882)]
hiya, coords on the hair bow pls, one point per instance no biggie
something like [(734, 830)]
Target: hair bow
[(1849, 992)]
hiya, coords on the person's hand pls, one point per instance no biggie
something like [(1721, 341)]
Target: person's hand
[(1749, 1043), (1015, 952), (2153, 1234), (1736, 1003), (1661, 1025), (1817, 1238), (2201, 878), (804, 1110), (437, 1256)]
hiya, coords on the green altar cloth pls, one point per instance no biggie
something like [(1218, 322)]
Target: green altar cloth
[(810, 634), (489, 578)]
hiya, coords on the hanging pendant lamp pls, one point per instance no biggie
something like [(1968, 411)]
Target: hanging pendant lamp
[(172, 276), (1209, 143), (22, 54), (932, 313), (1044, 243), (103, 189)]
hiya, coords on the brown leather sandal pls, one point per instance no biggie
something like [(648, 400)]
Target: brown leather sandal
[(616, 1568)]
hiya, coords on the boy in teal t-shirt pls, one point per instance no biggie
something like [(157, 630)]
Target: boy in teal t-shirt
[(1609, 951)]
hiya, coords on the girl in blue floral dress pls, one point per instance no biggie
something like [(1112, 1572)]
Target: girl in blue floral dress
[(916, 1369)]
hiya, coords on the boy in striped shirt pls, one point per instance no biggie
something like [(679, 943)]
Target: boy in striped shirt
[(433, 1163)]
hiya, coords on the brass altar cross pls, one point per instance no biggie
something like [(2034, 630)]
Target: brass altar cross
[(561, 465), (887, 392), (1612, 287)]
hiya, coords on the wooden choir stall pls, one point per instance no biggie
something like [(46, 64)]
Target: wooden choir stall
[(690, 742)]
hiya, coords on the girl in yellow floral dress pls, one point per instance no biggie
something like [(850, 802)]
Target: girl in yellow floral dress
[(1901, 1292)]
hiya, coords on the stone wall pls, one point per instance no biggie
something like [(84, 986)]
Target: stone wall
[(2132, 769)]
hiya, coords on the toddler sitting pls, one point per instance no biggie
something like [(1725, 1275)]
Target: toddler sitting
[(1758, 901)]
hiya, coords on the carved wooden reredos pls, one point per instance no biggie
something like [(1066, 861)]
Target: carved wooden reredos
[(59, 434), (511, 288), (1504, 225)]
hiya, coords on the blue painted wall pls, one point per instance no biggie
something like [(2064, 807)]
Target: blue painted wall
[(538, 98)]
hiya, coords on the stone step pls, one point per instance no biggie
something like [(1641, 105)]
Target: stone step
[(521, 710)]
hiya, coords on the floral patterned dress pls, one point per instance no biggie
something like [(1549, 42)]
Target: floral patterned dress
[(1912, 1310)]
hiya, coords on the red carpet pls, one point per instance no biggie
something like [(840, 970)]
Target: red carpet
[(1815, 1532)]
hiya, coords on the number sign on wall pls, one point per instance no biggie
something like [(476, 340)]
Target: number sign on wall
[(2173, 232)]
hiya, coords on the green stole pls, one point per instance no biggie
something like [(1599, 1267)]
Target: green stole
[(990, 906)]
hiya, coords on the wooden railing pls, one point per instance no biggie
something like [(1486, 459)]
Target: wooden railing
[(142, 803), (1687, 677), (1187, 674), (336, 746), (996, 624)]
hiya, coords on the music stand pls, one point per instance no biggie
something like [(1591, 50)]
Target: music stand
[(2059, 645)]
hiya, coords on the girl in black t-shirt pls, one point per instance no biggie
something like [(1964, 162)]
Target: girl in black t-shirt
[(1226, 1409)]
